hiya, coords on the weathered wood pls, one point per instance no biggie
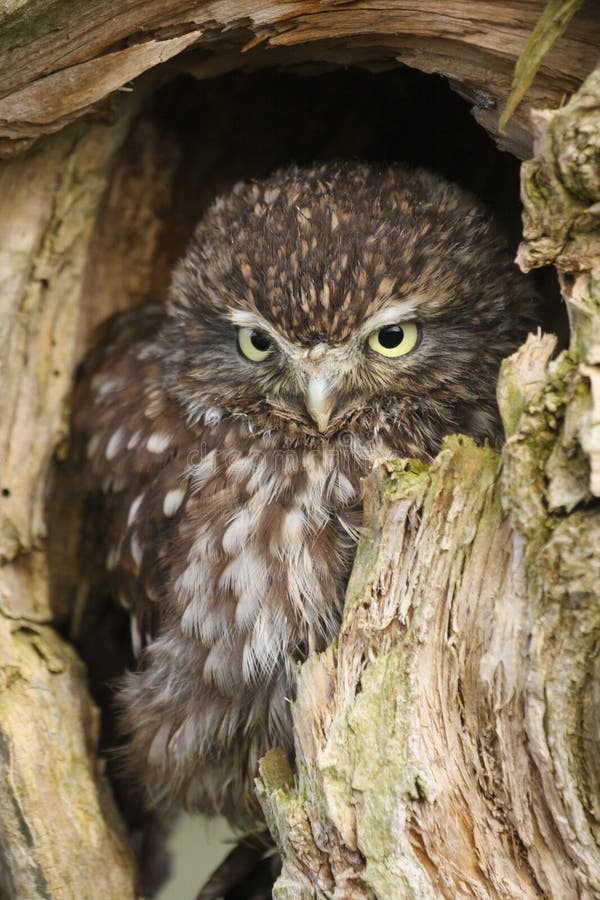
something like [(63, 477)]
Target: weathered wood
[(476, 674), (61, 59), (60, 834), (425, 766), (48, 203), (448, 745), (561, 226)]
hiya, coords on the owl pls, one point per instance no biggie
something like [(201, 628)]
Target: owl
[(321, 320)]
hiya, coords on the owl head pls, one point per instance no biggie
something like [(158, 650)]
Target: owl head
[(345, 296)]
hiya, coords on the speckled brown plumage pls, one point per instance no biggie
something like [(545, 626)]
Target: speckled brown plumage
[(232, 518)]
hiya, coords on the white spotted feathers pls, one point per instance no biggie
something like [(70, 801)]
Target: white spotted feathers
[(232, 486)]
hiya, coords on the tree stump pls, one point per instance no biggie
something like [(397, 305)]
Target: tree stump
[(448, 744)]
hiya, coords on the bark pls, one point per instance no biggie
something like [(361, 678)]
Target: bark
[(448, 745), (449, 741), (63, 59), (60, 834)]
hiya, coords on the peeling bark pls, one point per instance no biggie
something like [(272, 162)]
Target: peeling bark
[(64, 59)]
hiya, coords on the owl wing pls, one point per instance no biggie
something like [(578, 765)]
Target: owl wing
[(136, 446)]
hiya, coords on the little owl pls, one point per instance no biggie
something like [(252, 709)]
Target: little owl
[(321, 319)]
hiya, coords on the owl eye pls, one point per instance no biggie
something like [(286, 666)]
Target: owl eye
[(395, 340), (255, 345)]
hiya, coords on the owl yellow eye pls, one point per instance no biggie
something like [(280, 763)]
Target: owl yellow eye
[(395, 340), (255, 345)]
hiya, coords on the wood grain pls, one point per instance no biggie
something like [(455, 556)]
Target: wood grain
[(61, 59), (472, 624)]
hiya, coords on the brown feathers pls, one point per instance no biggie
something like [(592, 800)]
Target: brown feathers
[(233, 487)]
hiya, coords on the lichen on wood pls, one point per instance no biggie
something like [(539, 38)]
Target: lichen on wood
[(448, 742), (408, 729), (561, 226)]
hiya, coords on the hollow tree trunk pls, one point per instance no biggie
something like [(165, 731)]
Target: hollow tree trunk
[(448, 744), (59, 830)]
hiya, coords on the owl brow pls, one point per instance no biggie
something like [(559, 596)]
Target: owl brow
[(245, 318), (391, 314)]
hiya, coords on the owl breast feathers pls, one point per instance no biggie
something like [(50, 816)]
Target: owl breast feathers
[(320, 320)]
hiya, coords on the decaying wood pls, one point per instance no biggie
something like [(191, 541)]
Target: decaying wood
[(448, 745), (561, 227), (48, 205), (441, 747), (60, 834), (64, 59), (59, 831)]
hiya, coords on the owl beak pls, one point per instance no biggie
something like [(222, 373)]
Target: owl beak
[(320, 400)]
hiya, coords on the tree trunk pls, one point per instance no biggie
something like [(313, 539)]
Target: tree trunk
[(64, 58), (448, 743), (59, 829)]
